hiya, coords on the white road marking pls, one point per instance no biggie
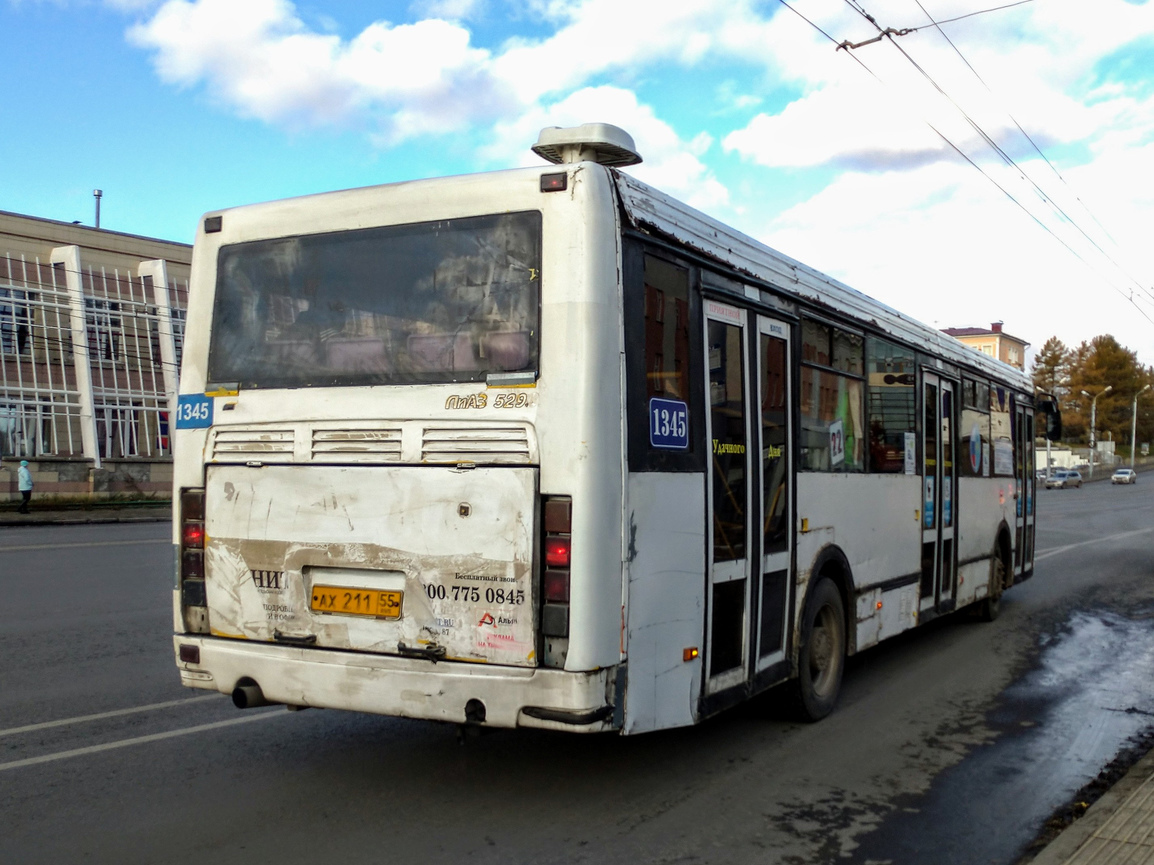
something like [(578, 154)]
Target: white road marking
[(256, 715), (1055, 550), (115, 713), (19, 547)]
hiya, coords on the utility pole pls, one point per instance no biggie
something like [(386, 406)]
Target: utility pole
[(1094, 423), (1134, 424)]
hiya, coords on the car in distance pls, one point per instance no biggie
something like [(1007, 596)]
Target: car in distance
[(1064, 479), (1124, 476)]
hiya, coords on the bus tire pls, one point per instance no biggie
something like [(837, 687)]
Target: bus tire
[(822, 652), (991, 606)]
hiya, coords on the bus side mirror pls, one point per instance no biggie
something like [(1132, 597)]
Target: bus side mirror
[(1048, 408)]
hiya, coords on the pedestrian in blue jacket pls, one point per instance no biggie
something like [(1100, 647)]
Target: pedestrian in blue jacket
[(24, 484)]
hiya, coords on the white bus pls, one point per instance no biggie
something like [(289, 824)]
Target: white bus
[(549, 448)]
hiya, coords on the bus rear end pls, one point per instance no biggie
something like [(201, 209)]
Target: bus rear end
[(363, 521)]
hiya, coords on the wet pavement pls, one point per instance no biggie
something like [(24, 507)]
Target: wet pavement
[(1090, 694)]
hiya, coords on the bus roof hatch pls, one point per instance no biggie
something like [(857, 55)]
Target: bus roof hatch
[(590, 142)]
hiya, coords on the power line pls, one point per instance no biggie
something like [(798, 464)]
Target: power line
[(967, 15), (860, 10), (1006, 158), (1026, 135)]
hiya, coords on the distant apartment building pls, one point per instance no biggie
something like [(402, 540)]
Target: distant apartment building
[(995, 342), (91, 331)]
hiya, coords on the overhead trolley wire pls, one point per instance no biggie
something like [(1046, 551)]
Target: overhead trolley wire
[(1009, 160), (937, 25), (856, 6)]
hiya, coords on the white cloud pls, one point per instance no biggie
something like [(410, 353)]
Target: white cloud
[(943, 245), (427, 77), (259, 58), (600, 36)]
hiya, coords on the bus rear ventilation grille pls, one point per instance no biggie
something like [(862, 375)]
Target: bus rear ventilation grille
[(357, 445), (237, 445), (475, 444)]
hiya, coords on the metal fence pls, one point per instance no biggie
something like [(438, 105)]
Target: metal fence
[(89, 358)]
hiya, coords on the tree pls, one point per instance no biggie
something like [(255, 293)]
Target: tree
[(1051, 368), (1092, 367)]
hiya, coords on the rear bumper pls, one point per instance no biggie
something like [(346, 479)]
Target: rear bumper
[(404, 687)]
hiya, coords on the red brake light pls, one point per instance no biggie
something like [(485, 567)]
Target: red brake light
[(557, 552), (193, 535)]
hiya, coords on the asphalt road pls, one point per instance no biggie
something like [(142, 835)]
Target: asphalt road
[(950, 744)]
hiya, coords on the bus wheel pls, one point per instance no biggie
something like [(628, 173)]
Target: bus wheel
[(821, 658), (991, 605)]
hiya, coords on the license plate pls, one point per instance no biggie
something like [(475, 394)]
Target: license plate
[(357, 602)]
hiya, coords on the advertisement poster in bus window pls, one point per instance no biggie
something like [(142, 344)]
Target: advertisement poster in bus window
[(1003, 457), (668, 424), (929, 507), (836, 443), (976, 449), (911, 455)]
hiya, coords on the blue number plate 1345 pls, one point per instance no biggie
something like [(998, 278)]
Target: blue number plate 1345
[(668, 424), (193, 411)]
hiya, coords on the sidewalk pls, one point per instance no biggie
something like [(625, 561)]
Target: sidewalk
[(48, 513), (1117, 830)]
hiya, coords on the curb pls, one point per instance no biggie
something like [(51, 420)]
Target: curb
[(87, 517), (1066, 845)]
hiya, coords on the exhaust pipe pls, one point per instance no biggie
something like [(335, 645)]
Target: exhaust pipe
[(248, 696)]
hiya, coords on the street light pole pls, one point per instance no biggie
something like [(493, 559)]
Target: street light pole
[(1134, 423), (1094, 422)]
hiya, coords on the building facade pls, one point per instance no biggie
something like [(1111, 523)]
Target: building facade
[(91, 331), (994, 342)]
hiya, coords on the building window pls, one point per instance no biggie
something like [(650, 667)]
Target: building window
[(15, 321), (102, 320), (117, 431)]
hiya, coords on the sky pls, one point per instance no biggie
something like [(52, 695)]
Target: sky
[(984, 160)]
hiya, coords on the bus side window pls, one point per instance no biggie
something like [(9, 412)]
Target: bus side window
[(664, 381), (831, 399), (666, 329), (975, 429), (892, 403)]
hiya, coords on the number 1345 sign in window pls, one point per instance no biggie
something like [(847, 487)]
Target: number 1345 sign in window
[(668, 424)]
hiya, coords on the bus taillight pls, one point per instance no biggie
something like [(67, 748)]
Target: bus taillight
[(193, 598), (557, 552), (557, 548), (193, 536)]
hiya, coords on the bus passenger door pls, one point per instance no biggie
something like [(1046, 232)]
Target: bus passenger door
[(939, 494), (1024, 484), (729, 496), (775, 446)]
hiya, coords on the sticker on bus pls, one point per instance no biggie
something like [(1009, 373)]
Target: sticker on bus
[(668, 424), (193, 411)]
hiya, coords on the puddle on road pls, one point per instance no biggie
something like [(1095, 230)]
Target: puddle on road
[(1091, 691)]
